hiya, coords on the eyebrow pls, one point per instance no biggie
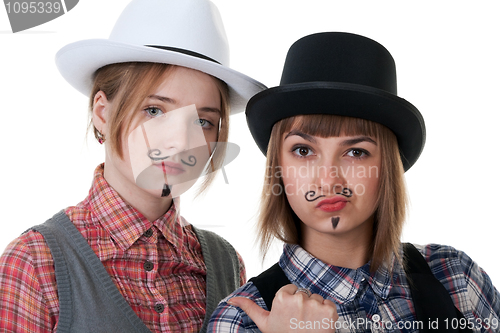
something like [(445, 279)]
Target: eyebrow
[(353, 141), (207, 109), (171, 101), (348, 142), (162, 98), (302, 135)]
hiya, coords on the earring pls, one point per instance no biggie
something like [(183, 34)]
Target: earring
[(100, 137)]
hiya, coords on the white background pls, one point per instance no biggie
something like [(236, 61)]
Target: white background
[(446, 54)]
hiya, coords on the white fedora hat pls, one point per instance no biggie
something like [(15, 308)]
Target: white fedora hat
[(186, 33)]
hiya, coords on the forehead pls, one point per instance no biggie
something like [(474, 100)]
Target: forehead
[(331, 126), (182, 85)]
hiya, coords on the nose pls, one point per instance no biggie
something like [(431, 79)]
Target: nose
[(329, 177), (175, 136)]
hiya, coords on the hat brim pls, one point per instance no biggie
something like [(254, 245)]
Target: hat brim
[(343, 99), (78, 62)]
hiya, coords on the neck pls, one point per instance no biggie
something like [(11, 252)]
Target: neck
[(350, 250)]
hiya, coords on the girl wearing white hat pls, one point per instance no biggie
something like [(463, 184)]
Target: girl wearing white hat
[(124, 260)]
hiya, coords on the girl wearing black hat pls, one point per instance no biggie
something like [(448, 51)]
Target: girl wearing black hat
[(124, 259), (338, 140)]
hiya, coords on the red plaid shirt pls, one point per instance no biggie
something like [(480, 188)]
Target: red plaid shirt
[(124, 240)]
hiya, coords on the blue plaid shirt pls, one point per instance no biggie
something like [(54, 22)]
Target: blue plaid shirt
[(375, 302)]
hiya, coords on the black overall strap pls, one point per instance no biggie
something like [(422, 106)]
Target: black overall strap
[(430, 298), (269, 282)]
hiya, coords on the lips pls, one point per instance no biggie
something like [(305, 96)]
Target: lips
[(171, 168), (332, 204)]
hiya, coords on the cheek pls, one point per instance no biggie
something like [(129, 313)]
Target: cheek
[(295, 176), (366, 190), (211, 136), (296, 201), (296, 186), (295, 189)]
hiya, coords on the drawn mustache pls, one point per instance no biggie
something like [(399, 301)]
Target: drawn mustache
[(309, 196), (152, 176), (156, 152), (192, 159)]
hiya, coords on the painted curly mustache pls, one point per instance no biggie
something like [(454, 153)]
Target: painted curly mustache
[(346, 192), (310, 195), (155, 155)]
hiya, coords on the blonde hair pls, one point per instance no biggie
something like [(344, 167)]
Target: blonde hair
[(127, 85), (277, 218)]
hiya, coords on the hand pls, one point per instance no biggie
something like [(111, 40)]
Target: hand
[(291, 312)]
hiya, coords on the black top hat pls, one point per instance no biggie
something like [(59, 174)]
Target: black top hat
[(340, 74)]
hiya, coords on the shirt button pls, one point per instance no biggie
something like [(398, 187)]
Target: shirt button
[(148, 266), (159, 307), (148, 233), (375, 317)]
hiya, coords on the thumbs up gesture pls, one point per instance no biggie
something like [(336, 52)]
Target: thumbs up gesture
[(294, 310)]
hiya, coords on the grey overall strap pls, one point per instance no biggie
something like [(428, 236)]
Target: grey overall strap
[(223, 270), (88, 299)]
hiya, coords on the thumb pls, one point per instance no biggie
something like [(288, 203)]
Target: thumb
[(255, 312)]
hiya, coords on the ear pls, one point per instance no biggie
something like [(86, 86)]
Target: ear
[(100, 112)]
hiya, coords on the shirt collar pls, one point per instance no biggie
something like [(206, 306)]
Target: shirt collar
[(341, 284), (123, 222)]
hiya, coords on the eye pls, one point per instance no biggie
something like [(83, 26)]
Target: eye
[(153, 111), (302, 151), (203, 123), (357, 153)]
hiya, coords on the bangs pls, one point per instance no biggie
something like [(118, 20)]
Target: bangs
[(325, 125)]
